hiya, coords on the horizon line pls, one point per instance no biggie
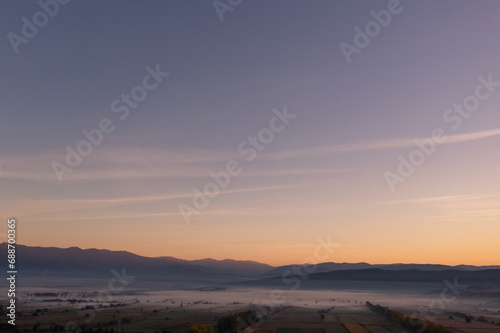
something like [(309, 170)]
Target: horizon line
[(254, 261)]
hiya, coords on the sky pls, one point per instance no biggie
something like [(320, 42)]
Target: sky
[(308, 119)]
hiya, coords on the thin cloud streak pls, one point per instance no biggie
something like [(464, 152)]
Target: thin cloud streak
[(132, 166), (376, 145), (220, 212), (444, 199), (176, 164), (83, 204)]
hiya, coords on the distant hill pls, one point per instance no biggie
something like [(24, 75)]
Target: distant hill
[(323, 267), (487, 276), (227, 266), (476, 282), (331, 266), (39, 263), (429, 267), (94, 263)]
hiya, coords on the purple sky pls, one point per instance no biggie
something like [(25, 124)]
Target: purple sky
[(325, 173)]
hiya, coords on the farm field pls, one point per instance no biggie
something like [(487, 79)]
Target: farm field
[(300, 312), (343, 319)]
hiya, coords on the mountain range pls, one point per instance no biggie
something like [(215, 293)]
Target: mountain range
[(38, 263)]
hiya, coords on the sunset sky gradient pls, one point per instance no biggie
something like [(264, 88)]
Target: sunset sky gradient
[(322, 175)]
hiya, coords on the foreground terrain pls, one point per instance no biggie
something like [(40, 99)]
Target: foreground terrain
[(286, 311)]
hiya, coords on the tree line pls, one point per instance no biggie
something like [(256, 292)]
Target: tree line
[(415, 324)]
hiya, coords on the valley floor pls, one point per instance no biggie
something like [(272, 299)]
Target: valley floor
[(297, 312)]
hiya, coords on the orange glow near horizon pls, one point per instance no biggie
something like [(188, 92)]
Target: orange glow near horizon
[(298, 258), (441, 229), (172, 133), (385, 248)]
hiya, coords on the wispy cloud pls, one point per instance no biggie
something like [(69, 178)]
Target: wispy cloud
[(256, 211), (377, 144), (464, 207), (460, 198), (143, 163), (113, 163), (118, 163), (52, 206)]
